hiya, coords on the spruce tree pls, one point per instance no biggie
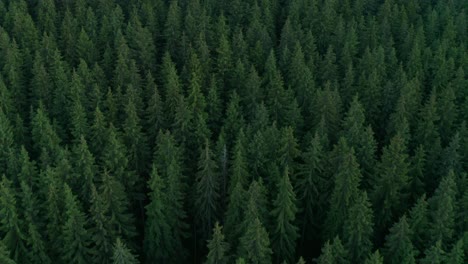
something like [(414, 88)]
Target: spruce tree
[(389, 186), (159, 244), (309, 186), (217, 247), (76, 240), (374, 258), (207, 191), (123, 255), (285, 232), (333, 252), (358, 229), (434, 255), (345, 192), (398, 246), (442, 210), (255, 244), (5, 255), (100, 228)]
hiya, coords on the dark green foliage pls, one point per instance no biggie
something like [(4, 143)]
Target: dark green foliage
[(333, 252), (207, 190), (285, 231), (76, 240), (358, 229), (217, 247), (345, 192), (129, 128), (398, 246), (123, 255), (5, 255)]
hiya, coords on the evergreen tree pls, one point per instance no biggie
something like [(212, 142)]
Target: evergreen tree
[(391, 183), (158, 243), (333, 253), (5, 255), (255, 244), (374, 258), (345, 192), (100, 228), (435, 254), (13, 236), (309, 186), (442, 210), (285, 232), (123, 255), (217, 247), (207, 190), (115, 199), (398, 246), (76, 240), (358, 229), (456, 255)]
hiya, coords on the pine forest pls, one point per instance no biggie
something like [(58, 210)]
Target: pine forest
[(233, 131)]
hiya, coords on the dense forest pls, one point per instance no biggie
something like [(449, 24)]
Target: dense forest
[(215, 131)]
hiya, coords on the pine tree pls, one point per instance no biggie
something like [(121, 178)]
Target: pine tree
[(84, 169), (333, 253), (115, 199), (100, 228), (135, 140), (391, 183), (309, 186), (235, 213), (10, 224), (360, 138), (442, 210), (434, 255), (35, 242), (6, 140), (418, 222), (154, 110), (5, 255), (289, 149), (456, 255), (358, 229), (398, 246), (255, 244), (76, 241), (345, 192), (374, 258), (123, 255), (158, 243), (217, 247), (207, 191), (285, 232)]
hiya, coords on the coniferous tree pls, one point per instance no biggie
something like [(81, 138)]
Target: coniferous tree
[(374, 258), (5, 255), (285, 232), (207, 190), (76, 240), (10, 224), (158, 243), (255, 244), (398, 246), (123, 255), (358, 229), (333, 252), (434, 255), (310, 182), (100, 228), (217, 247), (391, 183), (345, 192), (442, 210)]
